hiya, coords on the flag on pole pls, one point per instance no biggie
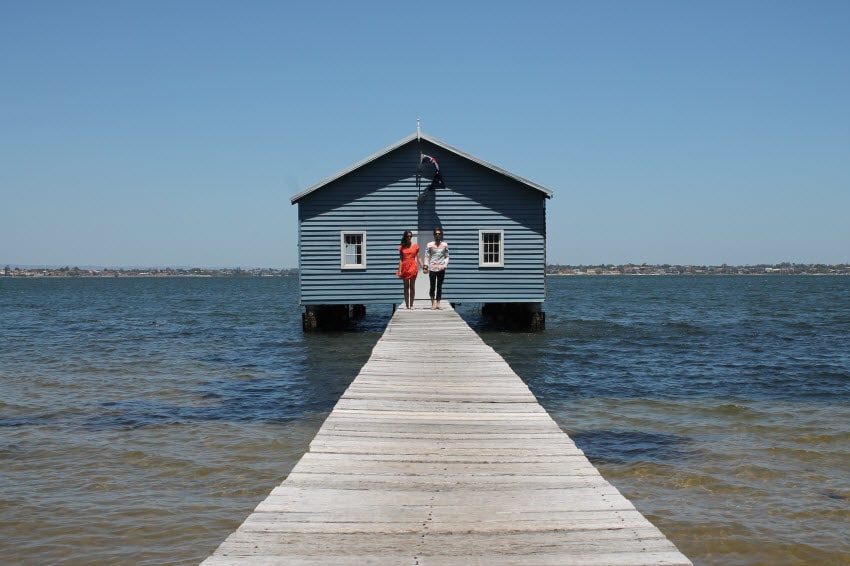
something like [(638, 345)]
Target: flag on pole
[(437, 181), (429, 159)]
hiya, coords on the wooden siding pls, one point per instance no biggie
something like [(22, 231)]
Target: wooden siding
[(380, 197)]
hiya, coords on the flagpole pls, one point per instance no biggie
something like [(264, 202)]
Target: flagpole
[(418, 169)]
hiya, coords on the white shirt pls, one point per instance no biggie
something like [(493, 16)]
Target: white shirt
[(437, 256)]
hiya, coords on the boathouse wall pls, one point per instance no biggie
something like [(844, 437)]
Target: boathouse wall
[(377, 199)]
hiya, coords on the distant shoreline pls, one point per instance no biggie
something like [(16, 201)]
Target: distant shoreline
[(667, 269), (76, 272), (551, 270), (691, 274)]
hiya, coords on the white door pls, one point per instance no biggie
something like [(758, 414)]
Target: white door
[(422, 283)]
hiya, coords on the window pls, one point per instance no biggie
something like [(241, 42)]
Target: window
[(491, 248), (353, 250)]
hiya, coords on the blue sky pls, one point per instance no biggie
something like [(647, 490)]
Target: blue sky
[(174, 133)]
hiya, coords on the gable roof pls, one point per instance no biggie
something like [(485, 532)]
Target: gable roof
[(414, 137)]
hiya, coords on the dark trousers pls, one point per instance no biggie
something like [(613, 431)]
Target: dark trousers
[(436, 278)]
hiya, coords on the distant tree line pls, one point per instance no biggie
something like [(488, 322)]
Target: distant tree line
[(68, 271), (785, 268)]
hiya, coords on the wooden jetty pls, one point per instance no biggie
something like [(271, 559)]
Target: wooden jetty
[(438, 454)]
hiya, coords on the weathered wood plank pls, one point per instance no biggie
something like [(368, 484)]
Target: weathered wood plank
[(530, 542), (443, 459)]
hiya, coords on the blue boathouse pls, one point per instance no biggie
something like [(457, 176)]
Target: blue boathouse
[(350, 224)]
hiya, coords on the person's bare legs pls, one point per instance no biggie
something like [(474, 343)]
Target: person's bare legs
[(407, 290)]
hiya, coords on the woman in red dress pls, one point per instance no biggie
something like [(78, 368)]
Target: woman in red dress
[(408, 266)]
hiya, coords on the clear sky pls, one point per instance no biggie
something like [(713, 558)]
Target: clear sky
[(173, 133)]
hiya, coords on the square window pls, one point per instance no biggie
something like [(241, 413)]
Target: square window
[(491, 249), (353, 250)]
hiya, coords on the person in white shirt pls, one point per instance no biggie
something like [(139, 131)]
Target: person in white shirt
[(436, 261)]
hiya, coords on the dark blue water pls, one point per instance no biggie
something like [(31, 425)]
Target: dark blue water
[(195, 334), (141, 419), (766, 338)]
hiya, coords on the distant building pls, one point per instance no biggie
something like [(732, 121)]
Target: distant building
[(350, 225)]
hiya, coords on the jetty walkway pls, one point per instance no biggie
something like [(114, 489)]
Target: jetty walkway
[(438, 454)]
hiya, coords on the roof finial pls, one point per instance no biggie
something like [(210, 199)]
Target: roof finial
[(418, 131)]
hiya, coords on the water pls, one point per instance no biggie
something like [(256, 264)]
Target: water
[(141, 420)]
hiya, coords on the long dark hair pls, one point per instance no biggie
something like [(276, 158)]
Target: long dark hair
[(406, 232)]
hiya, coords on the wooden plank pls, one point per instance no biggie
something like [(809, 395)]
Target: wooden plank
[(438, 454)]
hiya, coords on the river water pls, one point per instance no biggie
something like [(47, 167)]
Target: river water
[(141, 419)]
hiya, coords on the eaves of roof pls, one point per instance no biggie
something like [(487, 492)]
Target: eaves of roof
[(546, 192)]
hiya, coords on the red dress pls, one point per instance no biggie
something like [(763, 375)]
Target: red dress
[(409, 268)]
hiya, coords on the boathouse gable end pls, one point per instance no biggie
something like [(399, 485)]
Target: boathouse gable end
[(350, 226)]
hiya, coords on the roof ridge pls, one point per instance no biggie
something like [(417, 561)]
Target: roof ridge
[(417, 136)]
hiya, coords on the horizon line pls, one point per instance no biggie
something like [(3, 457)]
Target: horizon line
[(247, 268)]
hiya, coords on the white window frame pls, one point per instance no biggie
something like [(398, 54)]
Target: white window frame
[(482, 252), (343, 258)]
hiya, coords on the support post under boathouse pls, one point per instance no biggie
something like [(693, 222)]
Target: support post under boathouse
[(448, 461), (350, 226)]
